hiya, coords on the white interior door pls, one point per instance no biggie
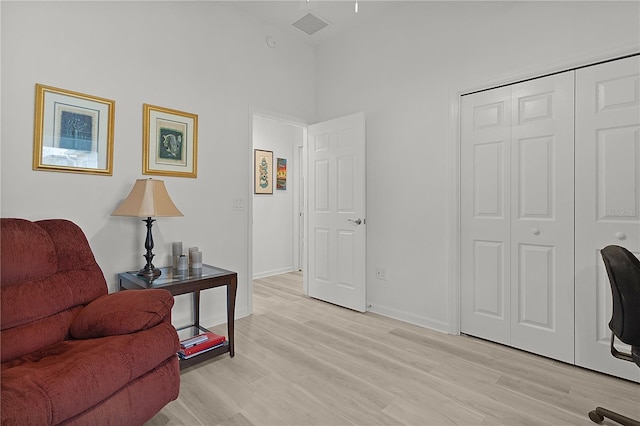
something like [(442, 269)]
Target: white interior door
[(336, 218), (485, 214), (542, 285), (607, 199)]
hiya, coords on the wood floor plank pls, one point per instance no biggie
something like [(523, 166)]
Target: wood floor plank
[(357, 408), (300, 361), (441, 412)]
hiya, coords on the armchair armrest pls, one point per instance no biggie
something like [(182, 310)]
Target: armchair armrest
[(124, 312)]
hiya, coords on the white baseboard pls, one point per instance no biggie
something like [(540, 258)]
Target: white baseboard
[(425, 322), (265, 274)]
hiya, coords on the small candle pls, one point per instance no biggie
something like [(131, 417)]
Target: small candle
[(182, 263), (196, 260), (191, 251), (177, 252)]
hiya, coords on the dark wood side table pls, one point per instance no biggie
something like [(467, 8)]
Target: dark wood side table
[(192, 281)]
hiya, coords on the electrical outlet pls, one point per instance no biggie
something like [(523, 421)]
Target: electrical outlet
[(381, 273)]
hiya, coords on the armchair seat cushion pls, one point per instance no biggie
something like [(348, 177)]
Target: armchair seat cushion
[(62, 380)]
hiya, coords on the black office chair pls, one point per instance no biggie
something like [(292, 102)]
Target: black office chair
[(623, 269)]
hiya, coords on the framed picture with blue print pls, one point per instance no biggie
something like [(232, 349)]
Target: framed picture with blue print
[(170, 142), (73, 132)]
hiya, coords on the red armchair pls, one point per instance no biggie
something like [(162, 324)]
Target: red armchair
[(71, 353)]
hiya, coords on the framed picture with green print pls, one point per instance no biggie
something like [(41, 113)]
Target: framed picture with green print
[(170, 142)]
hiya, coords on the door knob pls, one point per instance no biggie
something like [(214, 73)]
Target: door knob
[(535, 231), (621, 236), (358, 221)]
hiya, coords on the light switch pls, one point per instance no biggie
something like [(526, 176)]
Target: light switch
[(238, 204)]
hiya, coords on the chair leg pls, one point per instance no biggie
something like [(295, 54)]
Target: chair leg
[(598, 415)]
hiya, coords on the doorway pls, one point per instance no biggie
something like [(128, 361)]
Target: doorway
[(278, 216), (330, 244)]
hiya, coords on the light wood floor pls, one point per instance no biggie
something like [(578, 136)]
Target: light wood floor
[(304, 362)]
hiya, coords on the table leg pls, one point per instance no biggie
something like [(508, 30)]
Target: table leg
[(196, 310), (231, 311)]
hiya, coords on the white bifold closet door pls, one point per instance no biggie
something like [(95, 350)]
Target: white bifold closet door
[(607, 199), (485, 211), (517, 215)]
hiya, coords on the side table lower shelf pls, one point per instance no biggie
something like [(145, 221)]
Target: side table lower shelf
[(186, 363)]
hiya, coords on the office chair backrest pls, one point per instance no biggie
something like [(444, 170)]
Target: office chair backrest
[(623, 269)]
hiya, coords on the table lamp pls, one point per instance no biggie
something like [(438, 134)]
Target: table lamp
[(148, 198)]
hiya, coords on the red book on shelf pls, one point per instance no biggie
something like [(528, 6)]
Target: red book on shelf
[(212, 340)]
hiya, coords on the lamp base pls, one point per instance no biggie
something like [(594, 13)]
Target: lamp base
[(149, 273)]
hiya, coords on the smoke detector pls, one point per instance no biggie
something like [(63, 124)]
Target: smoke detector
[(310, 24)]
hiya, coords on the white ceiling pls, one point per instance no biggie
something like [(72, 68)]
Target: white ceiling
[(339, 13)]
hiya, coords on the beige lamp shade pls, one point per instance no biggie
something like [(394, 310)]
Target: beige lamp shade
[(148, 198)]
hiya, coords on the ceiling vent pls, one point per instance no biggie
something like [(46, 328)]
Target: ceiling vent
[(310, 24)]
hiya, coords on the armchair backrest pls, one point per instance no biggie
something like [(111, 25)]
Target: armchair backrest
[(623, 269), (47, 274)]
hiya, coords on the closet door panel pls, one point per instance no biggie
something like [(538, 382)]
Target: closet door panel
[(542, 216), (485, 133), (607, 199)]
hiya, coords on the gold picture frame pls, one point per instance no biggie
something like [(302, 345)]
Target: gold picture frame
[(169, 142), (73, 132)]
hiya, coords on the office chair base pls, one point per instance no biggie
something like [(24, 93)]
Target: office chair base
[(599, 414)]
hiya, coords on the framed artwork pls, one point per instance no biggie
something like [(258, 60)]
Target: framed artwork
[(169, 142), (281, 179), (263, 170), (73, 132)]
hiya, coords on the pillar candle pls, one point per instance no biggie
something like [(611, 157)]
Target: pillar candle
[(196, 260), (176, 249), (191, 251), (182, 263)]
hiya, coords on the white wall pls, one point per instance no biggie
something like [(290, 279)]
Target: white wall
[(201, 57), (401, 72), (273, 222), (205, 58)]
